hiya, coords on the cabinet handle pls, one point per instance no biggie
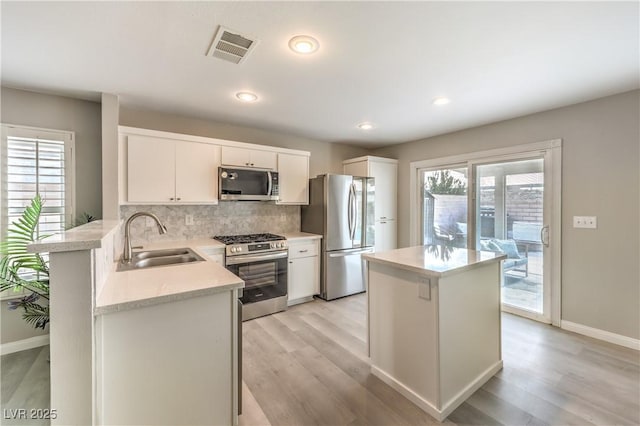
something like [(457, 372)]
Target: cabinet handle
[(383, 217), (291, 261), (171, 198), (178, 198), (302, 251), (383, 223), (246, 164), (252, 164)]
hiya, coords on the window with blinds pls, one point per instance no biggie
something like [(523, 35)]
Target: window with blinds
[(37, 162)]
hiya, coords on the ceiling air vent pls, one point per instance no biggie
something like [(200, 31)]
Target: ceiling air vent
[(231, 46)]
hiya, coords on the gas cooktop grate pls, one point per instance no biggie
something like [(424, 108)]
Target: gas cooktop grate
[(249, 238)]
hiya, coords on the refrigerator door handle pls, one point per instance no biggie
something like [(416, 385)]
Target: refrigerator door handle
[(353, 211), (350, 211)]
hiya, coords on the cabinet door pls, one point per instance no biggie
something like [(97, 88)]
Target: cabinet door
[(263, 160), (361, 168), (386, 235), (385, 175), (243, 157), (303, 277), (197, 172), (151, 169), (232, 156), (293, 173)]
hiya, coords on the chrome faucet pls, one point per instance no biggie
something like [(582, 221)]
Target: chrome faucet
[(126, 253)]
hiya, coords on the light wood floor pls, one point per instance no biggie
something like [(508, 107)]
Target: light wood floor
[(24, 384), (307, 366)]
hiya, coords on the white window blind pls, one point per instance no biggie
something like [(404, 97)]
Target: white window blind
[(34, 162)]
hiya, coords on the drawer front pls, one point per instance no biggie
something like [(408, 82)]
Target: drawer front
[(303, 250)]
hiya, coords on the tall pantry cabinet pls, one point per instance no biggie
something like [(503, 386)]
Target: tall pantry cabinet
[(385, 172)]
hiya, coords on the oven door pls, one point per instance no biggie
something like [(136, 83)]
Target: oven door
[(264, 275)]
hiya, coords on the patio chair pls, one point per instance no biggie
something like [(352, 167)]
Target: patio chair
[(514, 261)]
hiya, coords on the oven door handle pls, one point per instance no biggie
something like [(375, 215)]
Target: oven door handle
[(248, 259)]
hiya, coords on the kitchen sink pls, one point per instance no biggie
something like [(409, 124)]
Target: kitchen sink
[(155, 258), (161, 253)]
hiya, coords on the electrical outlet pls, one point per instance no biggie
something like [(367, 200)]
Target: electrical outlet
[(188, 219), (424, 288), (590, 222)]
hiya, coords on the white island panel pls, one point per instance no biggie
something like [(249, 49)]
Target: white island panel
[(434, 323)]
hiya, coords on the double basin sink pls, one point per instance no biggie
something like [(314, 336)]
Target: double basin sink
[(154, 258)]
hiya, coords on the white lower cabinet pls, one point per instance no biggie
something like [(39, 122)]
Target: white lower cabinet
[(214, 253), (304, 270), (169, 364)]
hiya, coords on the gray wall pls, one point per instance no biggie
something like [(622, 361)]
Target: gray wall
[(60, 113), (325, 157), (56, 112), (600, 154)]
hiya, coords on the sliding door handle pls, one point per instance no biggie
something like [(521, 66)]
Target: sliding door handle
[(544, 231)]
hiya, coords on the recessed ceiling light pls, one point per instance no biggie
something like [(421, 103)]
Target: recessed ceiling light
[(247, 96), (441, 100), (304, 44), (365, 126)]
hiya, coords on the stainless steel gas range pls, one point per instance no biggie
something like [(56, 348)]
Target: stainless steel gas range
[(260, 260)]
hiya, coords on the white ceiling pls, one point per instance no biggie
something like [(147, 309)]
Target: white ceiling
[(381, 62)]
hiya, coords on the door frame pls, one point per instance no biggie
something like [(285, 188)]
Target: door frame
[(551, 151)]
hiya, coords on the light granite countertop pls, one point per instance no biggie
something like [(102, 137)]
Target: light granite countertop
[(292, 236), (144, 287), (434, 260), (85, 237)]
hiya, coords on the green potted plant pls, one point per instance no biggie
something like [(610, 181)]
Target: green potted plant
[(20, 270)]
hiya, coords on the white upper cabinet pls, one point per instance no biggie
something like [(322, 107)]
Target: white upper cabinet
[(167, 171), (151, 169), (197, 172), (158, 167), (293, 176), (243, 157), (386, 176), (385, 172)]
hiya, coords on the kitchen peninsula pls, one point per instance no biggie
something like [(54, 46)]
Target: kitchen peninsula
[(145, 346), (434, 322)]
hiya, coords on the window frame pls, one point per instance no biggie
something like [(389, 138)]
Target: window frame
[(68, 139)]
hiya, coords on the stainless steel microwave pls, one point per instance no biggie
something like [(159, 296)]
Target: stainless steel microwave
[(247, 185)]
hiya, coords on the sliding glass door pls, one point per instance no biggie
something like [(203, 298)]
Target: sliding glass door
[(504, 201), (444, 206), (509, 217)]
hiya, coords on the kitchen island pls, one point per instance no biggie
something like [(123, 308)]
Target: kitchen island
[(434, 322)]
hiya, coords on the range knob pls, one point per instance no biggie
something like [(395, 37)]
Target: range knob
[(239, 249), (233, 249)]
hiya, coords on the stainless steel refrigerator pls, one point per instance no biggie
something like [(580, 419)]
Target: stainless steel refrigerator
[(341, 209)]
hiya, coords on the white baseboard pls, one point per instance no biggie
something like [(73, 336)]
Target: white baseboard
[(449, 406), (408, 393), (465, 393), (23, 345), (596, 333)]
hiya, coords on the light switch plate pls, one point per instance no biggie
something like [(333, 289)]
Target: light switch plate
[(590, 222), (188, 219)]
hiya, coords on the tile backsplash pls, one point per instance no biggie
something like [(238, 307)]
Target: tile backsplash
[(227, 218)]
